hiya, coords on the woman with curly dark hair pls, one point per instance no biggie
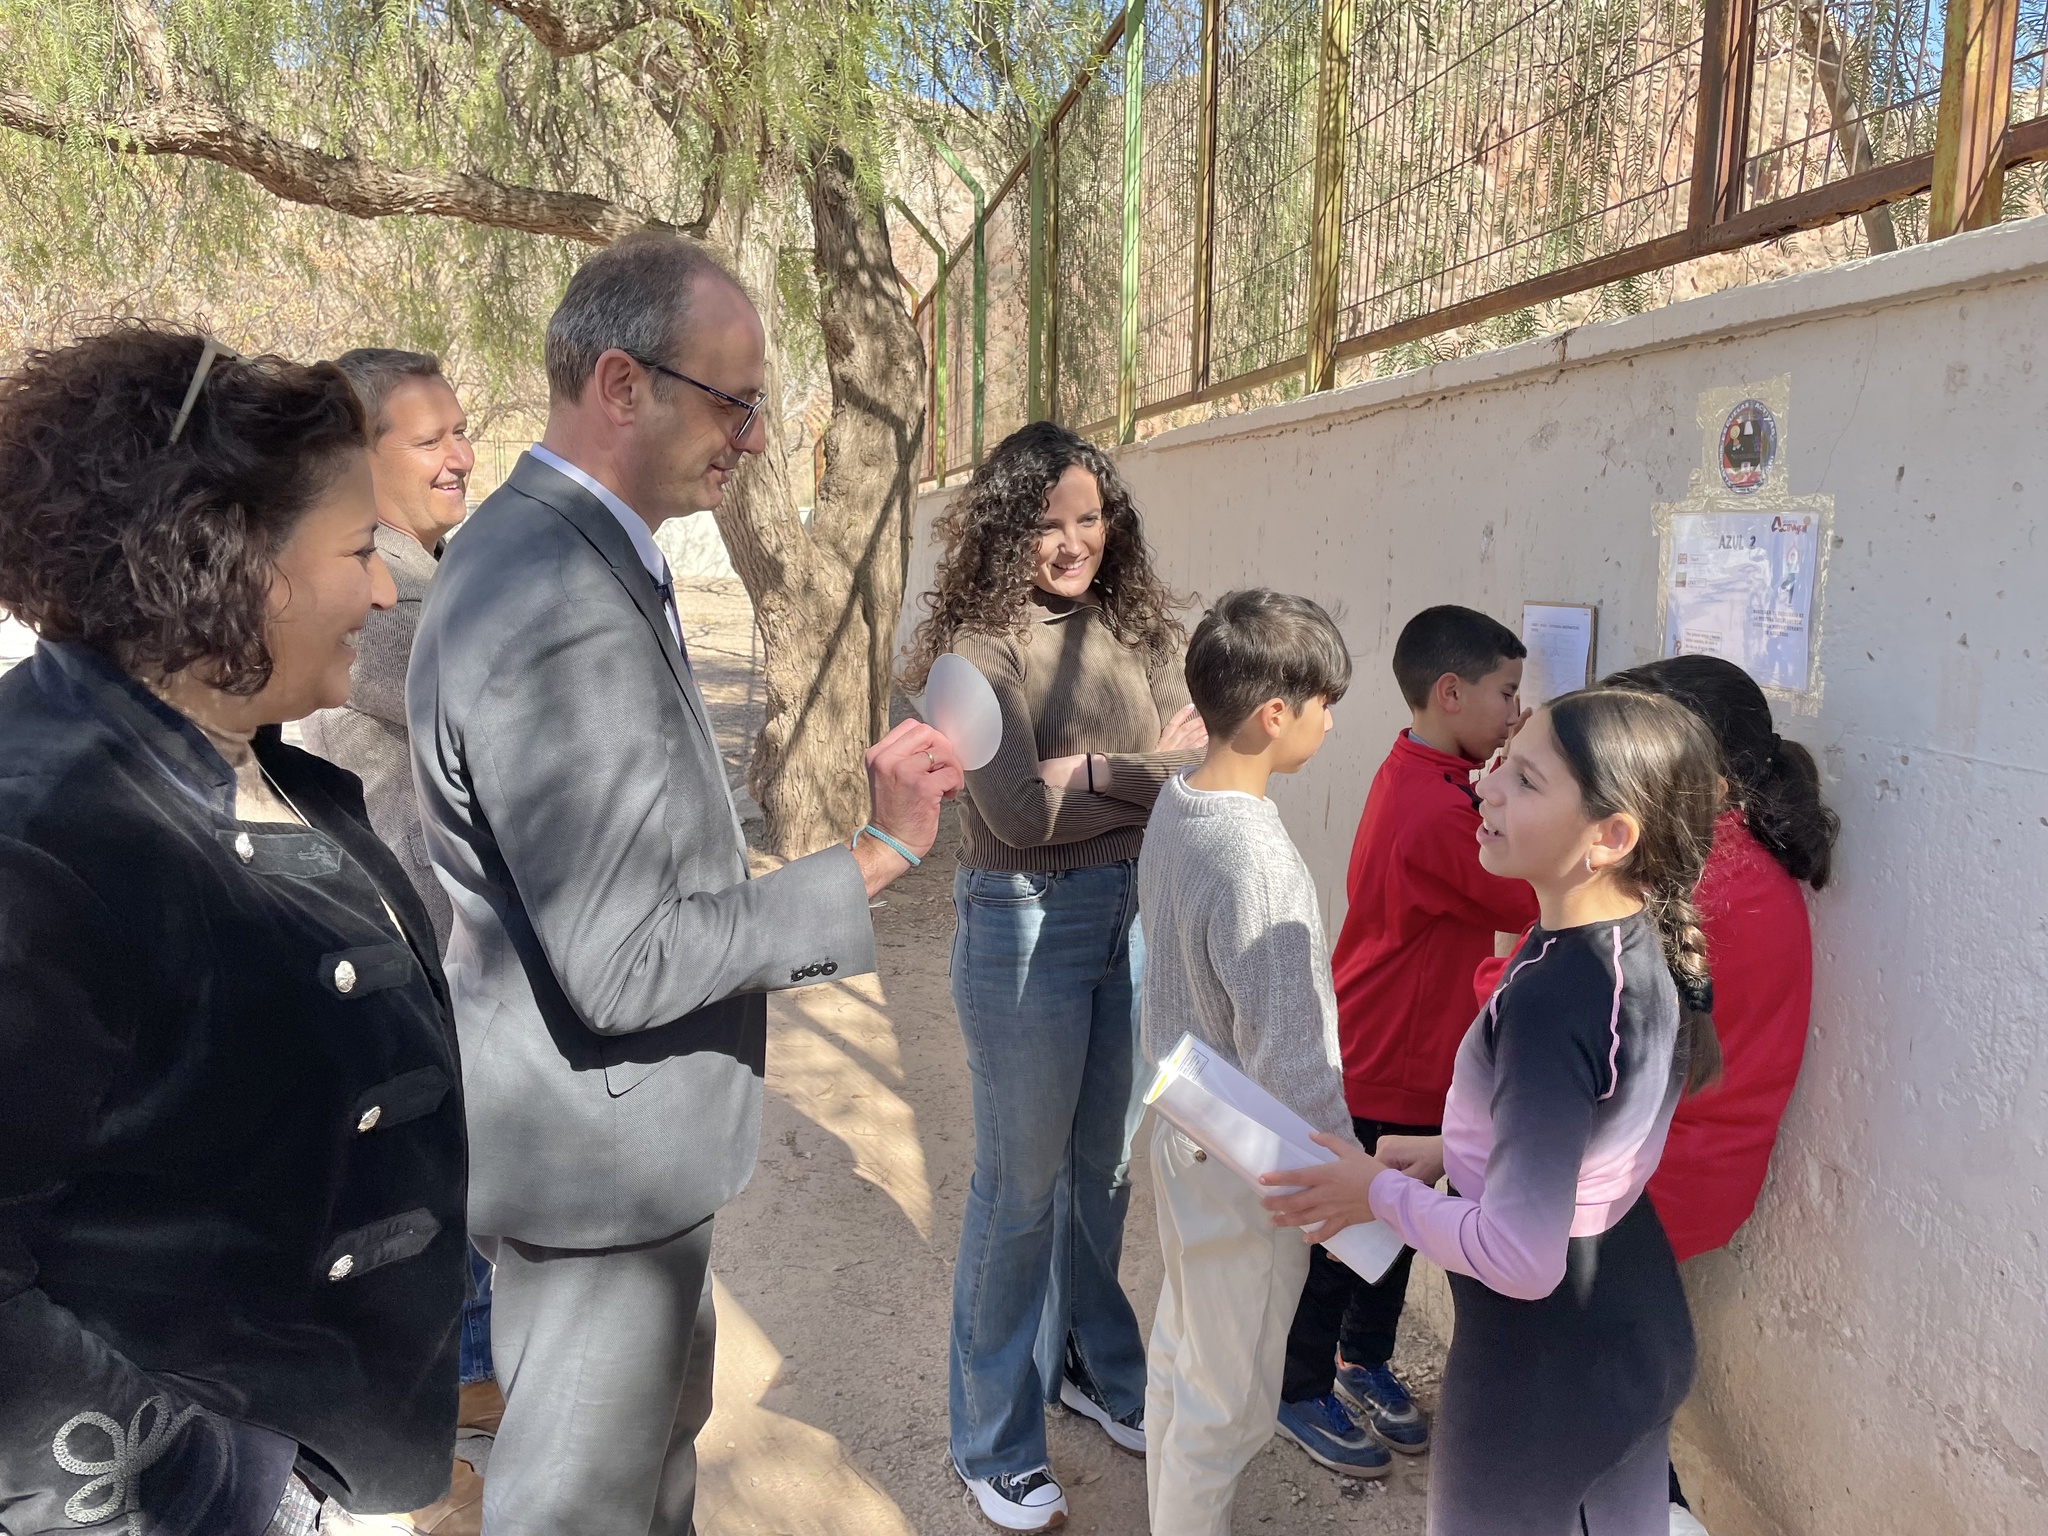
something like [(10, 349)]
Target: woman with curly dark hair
[(1046, 585), (231, 1227)]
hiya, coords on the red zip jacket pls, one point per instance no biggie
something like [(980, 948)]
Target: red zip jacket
[(1423, 913), (1760, 946)]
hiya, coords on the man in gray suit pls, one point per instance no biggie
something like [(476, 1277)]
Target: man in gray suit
[(611, 957), (420, 462)]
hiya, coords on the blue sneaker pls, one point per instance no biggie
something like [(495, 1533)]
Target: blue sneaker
[(1324, 1428), (1375, 1396)]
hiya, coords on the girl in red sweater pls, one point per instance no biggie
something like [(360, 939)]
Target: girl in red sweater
[(1775, 835)]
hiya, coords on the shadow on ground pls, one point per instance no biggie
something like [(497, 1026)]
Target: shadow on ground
[(836, 1279)]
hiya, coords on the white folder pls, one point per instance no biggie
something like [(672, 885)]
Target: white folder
[(1250, 1132)]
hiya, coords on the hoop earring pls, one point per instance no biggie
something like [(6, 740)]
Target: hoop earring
[(1589, 861)]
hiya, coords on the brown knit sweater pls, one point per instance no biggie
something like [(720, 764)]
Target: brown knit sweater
[(1066, 685)]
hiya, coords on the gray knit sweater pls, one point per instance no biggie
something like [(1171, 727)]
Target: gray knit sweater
[(1234, 948)]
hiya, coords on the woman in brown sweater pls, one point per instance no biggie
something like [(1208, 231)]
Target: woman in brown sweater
[(1047, 587)]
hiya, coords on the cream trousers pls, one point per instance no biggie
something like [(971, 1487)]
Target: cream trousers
[(1219, 1340)]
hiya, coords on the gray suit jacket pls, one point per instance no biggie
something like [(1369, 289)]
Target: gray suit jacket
[(367, 734), (610, 956)]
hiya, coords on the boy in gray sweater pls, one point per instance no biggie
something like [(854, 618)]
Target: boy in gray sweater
[(1235, 956)]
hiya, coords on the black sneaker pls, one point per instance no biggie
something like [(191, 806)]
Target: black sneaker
[(1376, 1398), (1126, 1433), (1019, 1501)]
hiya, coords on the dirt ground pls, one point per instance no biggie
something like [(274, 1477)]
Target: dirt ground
[(835, 1267)]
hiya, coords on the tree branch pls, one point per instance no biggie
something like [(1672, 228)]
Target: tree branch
[(145, 38), (364, 189), (565, 36), (656, 71)]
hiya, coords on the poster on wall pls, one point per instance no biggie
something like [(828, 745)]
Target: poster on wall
[(1743, 568), (1741, 587), (1560, 638)]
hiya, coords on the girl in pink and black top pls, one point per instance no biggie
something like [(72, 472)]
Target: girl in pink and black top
[(1573, 1346)]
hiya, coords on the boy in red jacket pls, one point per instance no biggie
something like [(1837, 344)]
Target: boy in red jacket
[(1422, 915)]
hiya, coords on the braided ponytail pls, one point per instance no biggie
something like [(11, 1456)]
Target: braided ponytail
[(1685, 951), (1647, 756)]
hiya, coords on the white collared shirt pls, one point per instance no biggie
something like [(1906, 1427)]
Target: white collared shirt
[(657, 567), (643, 542)]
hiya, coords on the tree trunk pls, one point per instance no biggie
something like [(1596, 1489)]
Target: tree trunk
[(876, 362), (826, 595), (1822, 41)]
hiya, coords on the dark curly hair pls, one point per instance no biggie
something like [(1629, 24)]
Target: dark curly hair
[(1774, 781), (160, 554), (989, 535)]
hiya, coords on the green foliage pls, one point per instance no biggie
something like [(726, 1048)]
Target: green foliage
[(726, 94)]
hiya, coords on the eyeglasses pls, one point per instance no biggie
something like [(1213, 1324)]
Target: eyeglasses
[(752, 407)]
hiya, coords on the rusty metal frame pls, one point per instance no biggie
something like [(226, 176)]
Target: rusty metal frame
[(1326, 219), (1975, 110), (1975, 143)]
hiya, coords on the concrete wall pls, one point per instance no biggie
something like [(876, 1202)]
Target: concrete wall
[(1874, 1344)]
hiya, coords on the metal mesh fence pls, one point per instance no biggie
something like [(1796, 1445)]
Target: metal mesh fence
[(1265, 148), (1496, 168), (2030, 62), (1088, 246), (1009, 328), (963, 428), (1490, 144), (1171, 168), (1840, 86)]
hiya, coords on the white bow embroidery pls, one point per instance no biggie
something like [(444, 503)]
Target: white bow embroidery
[(116, 1484)]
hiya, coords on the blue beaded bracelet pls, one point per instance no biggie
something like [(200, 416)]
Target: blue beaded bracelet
[(871, 830)]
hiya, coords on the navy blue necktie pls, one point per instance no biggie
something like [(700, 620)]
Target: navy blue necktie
[(667, 588)]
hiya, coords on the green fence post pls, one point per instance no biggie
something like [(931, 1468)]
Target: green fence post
[(938, 341), (980, 359), (1205, 195), (1034, 309), (1326, 234), (1134, 168), (1052, 272)]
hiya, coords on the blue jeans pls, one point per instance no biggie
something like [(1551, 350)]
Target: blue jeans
[(1046, 970), (476, 1322)]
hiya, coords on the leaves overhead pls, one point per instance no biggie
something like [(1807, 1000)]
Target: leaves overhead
[(688, 112)]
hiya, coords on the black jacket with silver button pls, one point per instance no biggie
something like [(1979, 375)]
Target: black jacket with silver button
[(231, 1143)]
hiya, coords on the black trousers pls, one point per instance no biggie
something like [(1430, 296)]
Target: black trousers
[(1338, 1309), (1555, 1415)]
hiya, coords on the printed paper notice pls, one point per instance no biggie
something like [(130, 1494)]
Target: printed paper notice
[(1250, 1132), (1560, 641), (1740, 586)]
